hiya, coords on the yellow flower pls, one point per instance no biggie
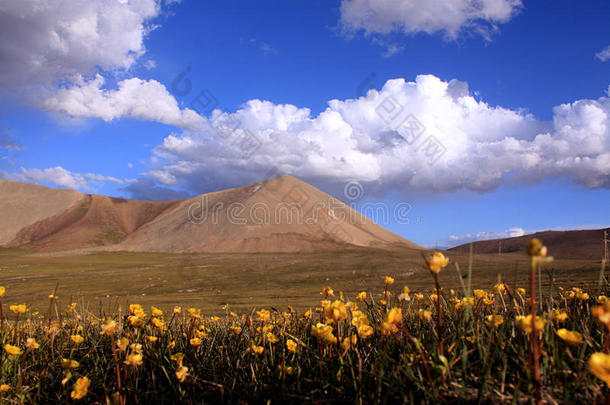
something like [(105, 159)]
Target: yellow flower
[(152, 339), (328, 292), (122, 344), (182, 373), (365, 331), (602, 313), (388, 280), (433, 297), (599, 365), (324, 333), (537, 251), (419, 296), (335, 311), (19, 309), (69, 364), (177, 310), (135, 321), (12, 350), (272, 338), (498, 288), (307, 314), (534, 247), (263, 315), (495, 320), (359, 319), (4, 387), (71, 307), (291, 345), (388, 328), (195, 342), (521, 291), (136, 347), (80, 388), (137, 310), (285, 369), (257, 349), (361, 296), (425, 314), (395, 316), (67, 378), (194, 313), (109, 328), (177, 357), (2, 291), (158, 323), (235, 329), (133, 360), (31, 343), (436, 262), (348, 342), (77, 339), (570, 337), (602, 299), (525, 323), (156, 312), (480, 294), (559, 316), (404, 296)]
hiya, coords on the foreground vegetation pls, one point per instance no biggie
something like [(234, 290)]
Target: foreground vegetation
[(385, 345)]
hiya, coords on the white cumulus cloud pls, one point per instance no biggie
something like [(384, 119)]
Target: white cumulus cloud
[(143, 99), (450, 17), (43, 41), (53, 51), (438, 138)]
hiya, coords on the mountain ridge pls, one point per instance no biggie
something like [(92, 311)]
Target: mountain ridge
[(283, 214), (574, 244)]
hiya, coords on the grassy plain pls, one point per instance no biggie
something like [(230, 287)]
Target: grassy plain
[(248, 281)]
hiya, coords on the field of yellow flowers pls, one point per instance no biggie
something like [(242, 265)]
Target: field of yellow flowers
[(500, 345)]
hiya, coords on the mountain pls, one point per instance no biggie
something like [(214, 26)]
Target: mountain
[(278, 215), (586, 244)]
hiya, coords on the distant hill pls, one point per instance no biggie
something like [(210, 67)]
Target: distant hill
[(586, 244), (278, 215)]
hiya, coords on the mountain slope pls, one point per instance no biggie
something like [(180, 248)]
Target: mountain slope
[(281, 214), (278, 215), (586, 244)]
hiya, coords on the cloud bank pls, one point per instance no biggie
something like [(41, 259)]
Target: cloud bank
[(42, 42), (427, 134), (60, 177), (53, 52)]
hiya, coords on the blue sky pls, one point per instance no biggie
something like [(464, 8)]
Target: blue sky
[(486, 80)]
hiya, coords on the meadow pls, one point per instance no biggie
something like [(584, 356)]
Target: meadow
[(361, 326)]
